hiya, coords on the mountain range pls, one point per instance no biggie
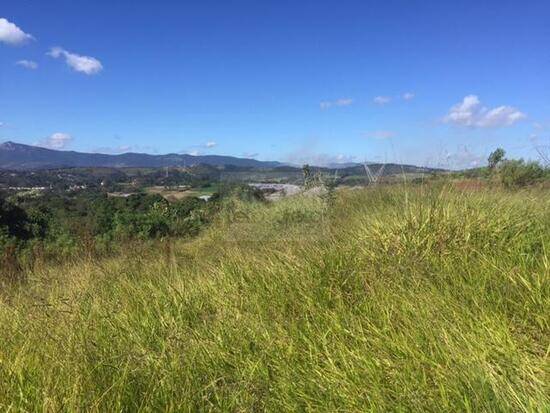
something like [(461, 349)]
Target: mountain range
[(18, 156)]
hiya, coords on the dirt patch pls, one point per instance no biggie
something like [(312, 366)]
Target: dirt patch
[(470, 185)]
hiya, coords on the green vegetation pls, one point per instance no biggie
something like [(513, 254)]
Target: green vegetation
[(385, 299), (507, 173), (518, 173), (55, 228), (495, 158)]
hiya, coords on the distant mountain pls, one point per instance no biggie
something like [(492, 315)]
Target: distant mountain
[(337, 165), (387, 169), (19, 157)]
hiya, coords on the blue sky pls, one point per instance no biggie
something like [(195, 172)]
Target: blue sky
[(424, 82)]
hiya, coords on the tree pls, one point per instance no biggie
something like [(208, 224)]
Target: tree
[(496, 157), (13, 220)]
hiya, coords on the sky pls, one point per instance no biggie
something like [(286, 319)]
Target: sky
[(425, 82)]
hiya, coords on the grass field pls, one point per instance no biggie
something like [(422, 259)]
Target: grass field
[(388, 299)]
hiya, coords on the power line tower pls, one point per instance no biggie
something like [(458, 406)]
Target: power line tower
[(374, 177)]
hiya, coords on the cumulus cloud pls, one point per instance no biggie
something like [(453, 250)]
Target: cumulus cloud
[(380, 134), (408, 96), (381, 100), (338, 102), (13, 35), (27, 64), (210, 144), (83, 64), (58, 141), (471, 113)]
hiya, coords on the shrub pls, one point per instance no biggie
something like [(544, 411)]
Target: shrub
[(518, 173), (241, 192), (61, 244)]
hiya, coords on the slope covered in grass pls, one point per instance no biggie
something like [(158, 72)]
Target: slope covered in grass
[(393, 299)]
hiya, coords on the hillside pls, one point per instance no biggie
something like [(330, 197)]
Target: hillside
[(385, 299), (18, 156)]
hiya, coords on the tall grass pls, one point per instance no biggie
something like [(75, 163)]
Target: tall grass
[(391, 299)]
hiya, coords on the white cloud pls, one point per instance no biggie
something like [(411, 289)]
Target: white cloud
[(84, 64), (12, 35), (338, 102), (408, 96), (117, 150), (502, 116), (341, 158), (332, 160), (112, 150), (381, 100), (28, 64), (471, 113), (2, 124), (250, 155), (463, 157), (307, 152), (320, 159), (124, 148), (56, 141), (199, 149), (380, 134), (306, 156), (344, 102)]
